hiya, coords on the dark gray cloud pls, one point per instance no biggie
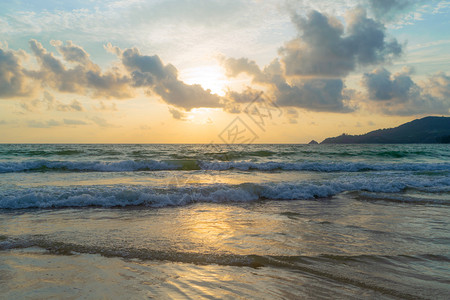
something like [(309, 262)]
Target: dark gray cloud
[(325, 48), (150, 72), (14, 81), (381, 85), (318, 94), (146, 69), (398, 94), (248, 95), (234, 102), (313, 94)]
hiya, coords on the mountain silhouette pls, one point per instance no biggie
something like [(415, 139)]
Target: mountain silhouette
[(426, 130)]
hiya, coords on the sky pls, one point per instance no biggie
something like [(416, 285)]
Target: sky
[(235, 71)]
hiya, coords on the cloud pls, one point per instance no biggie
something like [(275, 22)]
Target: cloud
[(438, 86), (151, 73), (74, 122), (325, 48), (75, 105), (310, 69), (84, 78), (31, 106), (177, 114), (14, 82), (313, 94), (101, 122), (292, 115), (76, 73), (73, 53), (145, 127), (105, 107), (233, 100), (318, 94), (382, 86), (51, 104), (398, 94), (43, 124), (241, 65), (390, 9), (248, 95), (52, 123)]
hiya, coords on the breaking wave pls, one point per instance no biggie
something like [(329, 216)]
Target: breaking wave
[(173, 195), (192, 164)]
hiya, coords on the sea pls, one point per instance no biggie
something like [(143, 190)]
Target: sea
[(208, 221)]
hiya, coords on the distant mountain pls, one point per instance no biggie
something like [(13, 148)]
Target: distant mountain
[(426, 130)]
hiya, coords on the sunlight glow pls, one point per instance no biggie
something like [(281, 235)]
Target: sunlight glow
[(209, 77)]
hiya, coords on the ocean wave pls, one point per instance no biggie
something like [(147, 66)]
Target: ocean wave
[(173, 195), (31, 153), (324, 166), (399, 198), (96, 166), (229, 155), (192, 164)]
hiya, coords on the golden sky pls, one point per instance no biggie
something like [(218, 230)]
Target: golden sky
[(218, 71)]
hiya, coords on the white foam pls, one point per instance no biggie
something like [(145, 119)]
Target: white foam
[(324, 166), (121, 195), (99, 166), (151, 165)]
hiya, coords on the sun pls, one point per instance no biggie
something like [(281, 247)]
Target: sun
[(210, 77)]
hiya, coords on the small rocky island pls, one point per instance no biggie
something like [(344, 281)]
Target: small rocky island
[(313, 142)]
